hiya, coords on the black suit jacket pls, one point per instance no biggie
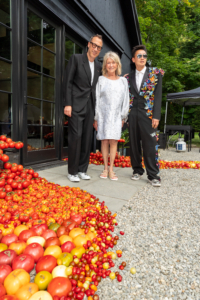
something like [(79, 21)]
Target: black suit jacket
[(77, 82), (157, 92)]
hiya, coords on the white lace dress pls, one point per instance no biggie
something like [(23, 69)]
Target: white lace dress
[(112, 106)]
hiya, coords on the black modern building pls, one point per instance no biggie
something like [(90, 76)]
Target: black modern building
[(37, 37)]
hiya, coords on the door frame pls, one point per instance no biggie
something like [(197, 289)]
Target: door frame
[(34, 157)]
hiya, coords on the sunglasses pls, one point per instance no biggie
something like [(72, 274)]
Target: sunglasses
[(142, 55), (96, 46)]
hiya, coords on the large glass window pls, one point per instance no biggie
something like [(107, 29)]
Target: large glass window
[(41, 63), (70, 48), (6, 120)]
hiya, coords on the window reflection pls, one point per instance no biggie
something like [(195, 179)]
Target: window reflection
[(48, 36), (5, 42), (5, 12), (48, 137), (34, 27), (5, 76), (48, 63), (78, 49), (34, 111), (33, 84), (34, 56), (34, 138), (6, 108), (48, 113), (6, 129), (48, 88)]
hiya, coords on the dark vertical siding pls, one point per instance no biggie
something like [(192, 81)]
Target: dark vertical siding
[(109, 14)]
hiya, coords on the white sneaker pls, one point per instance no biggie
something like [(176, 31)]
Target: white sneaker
[(73, 178), (155, 182), (84, 176), (136, 176)]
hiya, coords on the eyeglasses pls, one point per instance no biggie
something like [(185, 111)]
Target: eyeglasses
[(142, 55), (96, 46)]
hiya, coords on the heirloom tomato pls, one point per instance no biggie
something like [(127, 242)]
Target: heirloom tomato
[(5, 270), (67, 247), (52, 242), (26, 234), (65, 238), (3, 247), (2, 290), (41, 295), (26, 291), (59, 271), (19, 229), (53, 250), (46, 263), (40, 228), (78, 251), (42, 279), (36, 239), (35, 250), (75, 232), (81, 240), (77, 218), (15, 280), (18, 247), (65, 259), (9, 297), (59, 286), (48, 234), (54, 226), (61, 231), (7, 256), (23, 261)]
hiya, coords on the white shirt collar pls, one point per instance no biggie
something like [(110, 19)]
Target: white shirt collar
[(142, 71)]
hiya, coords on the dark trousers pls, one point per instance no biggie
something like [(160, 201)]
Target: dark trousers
[(140, 129), (80, 138)]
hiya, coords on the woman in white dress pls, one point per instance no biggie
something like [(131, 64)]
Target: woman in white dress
[(112, 105)]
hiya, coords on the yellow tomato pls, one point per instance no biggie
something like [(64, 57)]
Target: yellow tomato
[(78, 251), (18, 247), (68, 270), (15, 280), (75, 232), (53, 250), (36, 239), (112, 275), (80, 240), (26, 291), (3, 247), (19, 229), (41, 295), (65, 238)]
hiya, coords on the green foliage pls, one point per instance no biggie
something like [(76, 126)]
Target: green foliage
[(125, 136), (170, 30)]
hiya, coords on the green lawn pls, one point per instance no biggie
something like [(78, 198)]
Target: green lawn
[(195, 141)]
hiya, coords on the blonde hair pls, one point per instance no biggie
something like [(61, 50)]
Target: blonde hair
[(114, 56)]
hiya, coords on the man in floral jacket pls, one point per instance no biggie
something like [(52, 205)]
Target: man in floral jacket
[(145, 87)]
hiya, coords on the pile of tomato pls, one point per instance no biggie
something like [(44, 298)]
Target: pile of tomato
[(125, 161), (60, 233)]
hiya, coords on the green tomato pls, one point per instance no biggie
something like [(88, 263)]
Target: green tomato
[(54, 226), (42, 279), (65, 259)]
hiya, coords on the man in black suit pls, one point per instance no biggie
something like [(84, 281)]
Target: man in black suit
[(81, 77), (145, 85)]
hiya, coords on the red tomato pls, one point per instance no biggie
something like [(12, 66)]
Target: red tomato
[(2, 181), (39, 229), (7, 257), (7, 166), (5, 270), (35, 175), (48, 233), (77, 218), (3, 138), (14, 169), (2, 290), (23, 261), (9, 297), (5, 158), (52, 242), (26, 234), (67, 247), (2, 195), (59, 286), (35, 250), (46, 263), (12, 144), (9, 239), (14, 185)]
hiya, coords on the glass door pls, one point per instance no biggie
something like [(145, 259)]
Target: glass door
[(41, 89), (6, 118)]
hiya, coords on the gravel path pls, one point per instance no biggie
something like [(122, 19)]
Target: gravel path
[(171, 154), (161, 239)]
